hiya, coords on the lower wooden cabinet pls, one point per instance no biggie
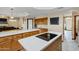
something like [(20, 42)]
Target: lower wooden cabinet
[(42, 30), (5, 43), (28, 34), (55, 46), (15, 45), (10, 43), (17, 36), (35, 32)]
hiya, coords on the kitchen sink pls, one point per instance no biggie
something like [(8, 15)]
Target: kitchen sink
[(47, 36)]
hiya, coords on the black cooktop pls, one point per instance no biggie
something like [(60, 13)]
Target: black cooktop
[(46, 36)]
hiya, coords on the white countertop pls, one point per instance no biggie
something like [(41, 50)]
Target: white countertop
[(36, 44), (2, 34)]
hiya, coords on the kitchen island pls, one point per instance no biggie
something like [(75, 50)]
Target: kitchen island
[(9, 39), (34, 43)]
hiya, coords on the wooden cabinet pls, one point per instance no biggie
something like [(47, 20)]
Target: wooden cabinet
[(55, 46), (10, 43), (5, 43), (16, 45), (28, 34), (42, 30), (35, 32), (41, 21), (17, 36)]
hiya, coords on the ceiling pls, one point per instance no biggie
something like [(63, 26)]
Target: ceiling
[(33, 11)]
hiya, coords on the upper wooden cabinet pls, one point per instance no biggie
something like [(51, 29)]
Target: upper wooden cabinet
[(41, 21)]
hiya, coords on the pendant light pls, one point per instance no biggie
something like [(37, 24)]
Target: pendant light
[(12, 16)]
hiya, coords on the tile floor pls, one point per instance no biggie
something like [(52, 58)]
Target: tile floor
[(69, 44)]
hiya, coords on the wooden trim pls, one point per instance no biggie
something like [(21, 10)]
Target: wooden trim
[(74, 25), (74, 20)]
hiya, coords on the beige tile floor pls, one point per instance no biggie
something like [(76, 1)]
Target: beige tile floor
[(69, 44)]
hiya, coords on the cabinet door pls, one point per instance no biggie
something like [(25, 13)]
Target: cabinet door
[(42, 30), (5, 46), (16, 45), (40, 21), (27, 34), (5, 43), (55, 46), (35, 32)]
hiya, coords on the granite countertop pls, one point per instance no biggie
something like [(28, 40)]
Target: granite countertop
[(7, 33), (36, 44)]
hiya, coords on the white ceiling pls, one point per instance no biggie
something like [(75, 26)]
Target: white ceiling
[(33, 11)]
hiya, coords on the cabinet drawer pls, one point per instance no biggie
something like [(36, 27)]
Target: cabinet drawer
[(7, 38), (43, 30), (35, 32), (17, 37), (5, 46), (27, 34), (55, 46), (16, 45)]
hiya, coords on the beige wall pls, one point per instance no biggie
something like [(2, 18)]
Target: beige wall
[(56, 28)]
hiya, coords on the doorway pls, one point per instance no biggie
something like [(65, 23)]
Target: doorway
[(67, 26), (69, 44)]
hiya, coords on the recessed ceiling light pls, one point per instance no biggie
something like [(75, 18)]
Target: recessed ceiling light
[(44, 8)]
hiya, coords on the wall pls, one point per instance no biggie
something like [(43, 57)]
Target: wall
[(24, 25), (20, 23), (56, 28)]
